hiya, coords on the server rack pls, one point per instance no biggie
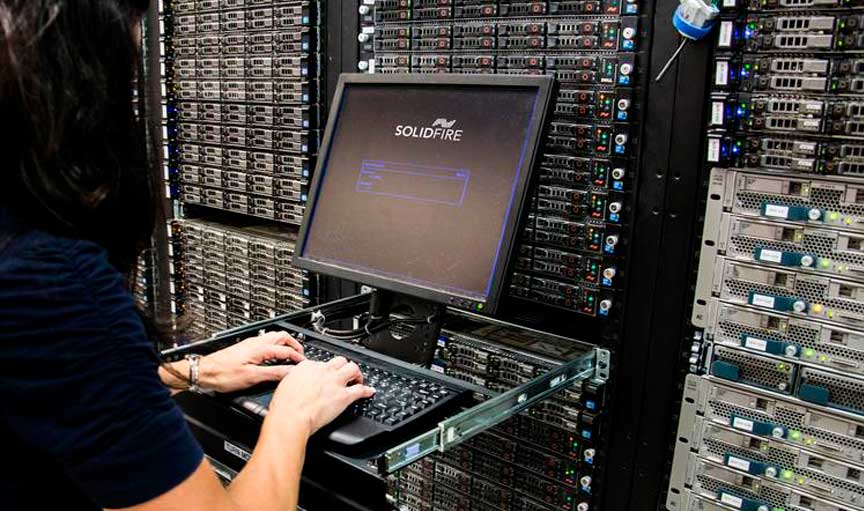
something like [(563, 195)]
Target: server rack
[(771, 415), (663, 225), (241, 116)]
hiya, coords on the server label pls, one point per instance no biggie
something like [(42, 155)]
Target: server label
[(763, 301), (739, 463), (755, 344), (776, 211), (725, 39), (713, 150), (771, 256), (731, 500), (717, 113), (721, 73), (744, 424)]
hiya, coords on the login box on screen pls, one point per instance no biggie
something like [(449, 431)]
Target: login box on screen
[(413, 182)]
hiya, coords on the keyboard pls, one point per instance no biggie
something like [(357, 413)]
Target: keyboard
[(407, 401)]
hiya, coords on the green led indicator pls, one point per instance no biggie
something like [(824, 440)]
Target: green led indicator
[(795, 435), (787, 475), (809, 353), (479, 306)]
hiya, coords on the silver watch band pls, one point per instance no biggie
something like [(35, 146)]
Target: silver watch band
[(194, 372)]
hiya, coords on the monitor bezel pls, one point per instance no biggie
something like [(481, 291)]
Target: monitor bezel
[(544, 86)]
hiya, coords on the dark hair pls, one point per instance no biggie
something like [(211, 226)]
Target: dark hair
[(74, 151)]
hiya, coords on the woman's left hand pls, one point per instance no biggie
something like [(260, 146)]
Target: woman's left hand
[(240, 366)]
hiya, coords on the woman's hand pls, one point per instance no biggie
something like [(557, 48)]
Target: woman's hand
[(239, 366), (317, 392)]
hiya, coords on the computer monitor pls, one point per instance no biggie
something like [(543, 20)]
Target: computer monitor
[(421, 182)]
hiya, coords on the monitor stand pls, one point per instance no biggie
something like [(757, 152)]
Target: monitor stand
[(412, 342)]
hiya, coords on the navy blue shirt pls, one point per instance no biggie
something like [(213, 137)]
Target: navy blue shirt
[(85, 422)]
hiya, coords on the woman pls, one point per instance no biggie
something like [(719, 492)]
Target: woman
[(84, 414)]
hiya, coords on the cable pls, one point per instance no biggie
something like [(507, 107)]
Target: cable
[(319, 320)]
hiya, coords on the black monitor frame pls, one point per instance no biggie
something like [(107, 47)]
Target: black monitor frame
[(544, 86)]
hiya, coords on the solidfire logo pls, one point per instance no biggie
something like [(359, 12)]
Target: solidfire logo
[(441, 129)]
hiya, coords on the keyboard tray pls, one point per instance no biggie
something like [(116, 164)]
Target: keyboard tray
[(588, 363)]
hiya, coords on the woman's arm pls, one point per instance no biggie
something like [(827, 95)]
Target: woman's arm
[(239, 366), (311, 396)]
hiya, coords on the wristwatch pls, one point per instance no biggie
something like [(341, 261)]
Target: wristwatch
[(194, 372)]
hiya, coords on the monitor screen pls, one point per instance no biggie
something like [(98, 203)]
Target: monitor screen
[(422, 184)]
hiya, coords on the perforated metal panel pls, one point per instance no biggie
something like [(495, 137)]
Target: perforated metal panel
[(840, 252), (827, 298), (842, 392), (831, 435), (712, 479), (816, 474), (819, 343), (751, 191), (762, 371)]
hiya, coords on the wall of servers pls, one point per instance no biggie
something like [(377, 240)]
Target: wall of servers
[(232, 276), (776, 419), (245, 92), (570, 255), (541, 460), (242, 117)]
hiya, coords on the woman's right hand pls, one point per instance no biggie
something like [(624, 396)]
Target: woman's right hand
[(317, 392)]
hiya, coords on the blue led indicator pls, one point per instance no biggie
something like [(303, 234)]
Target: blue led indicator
[(586, 433), (591, 405), (609, 249)]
